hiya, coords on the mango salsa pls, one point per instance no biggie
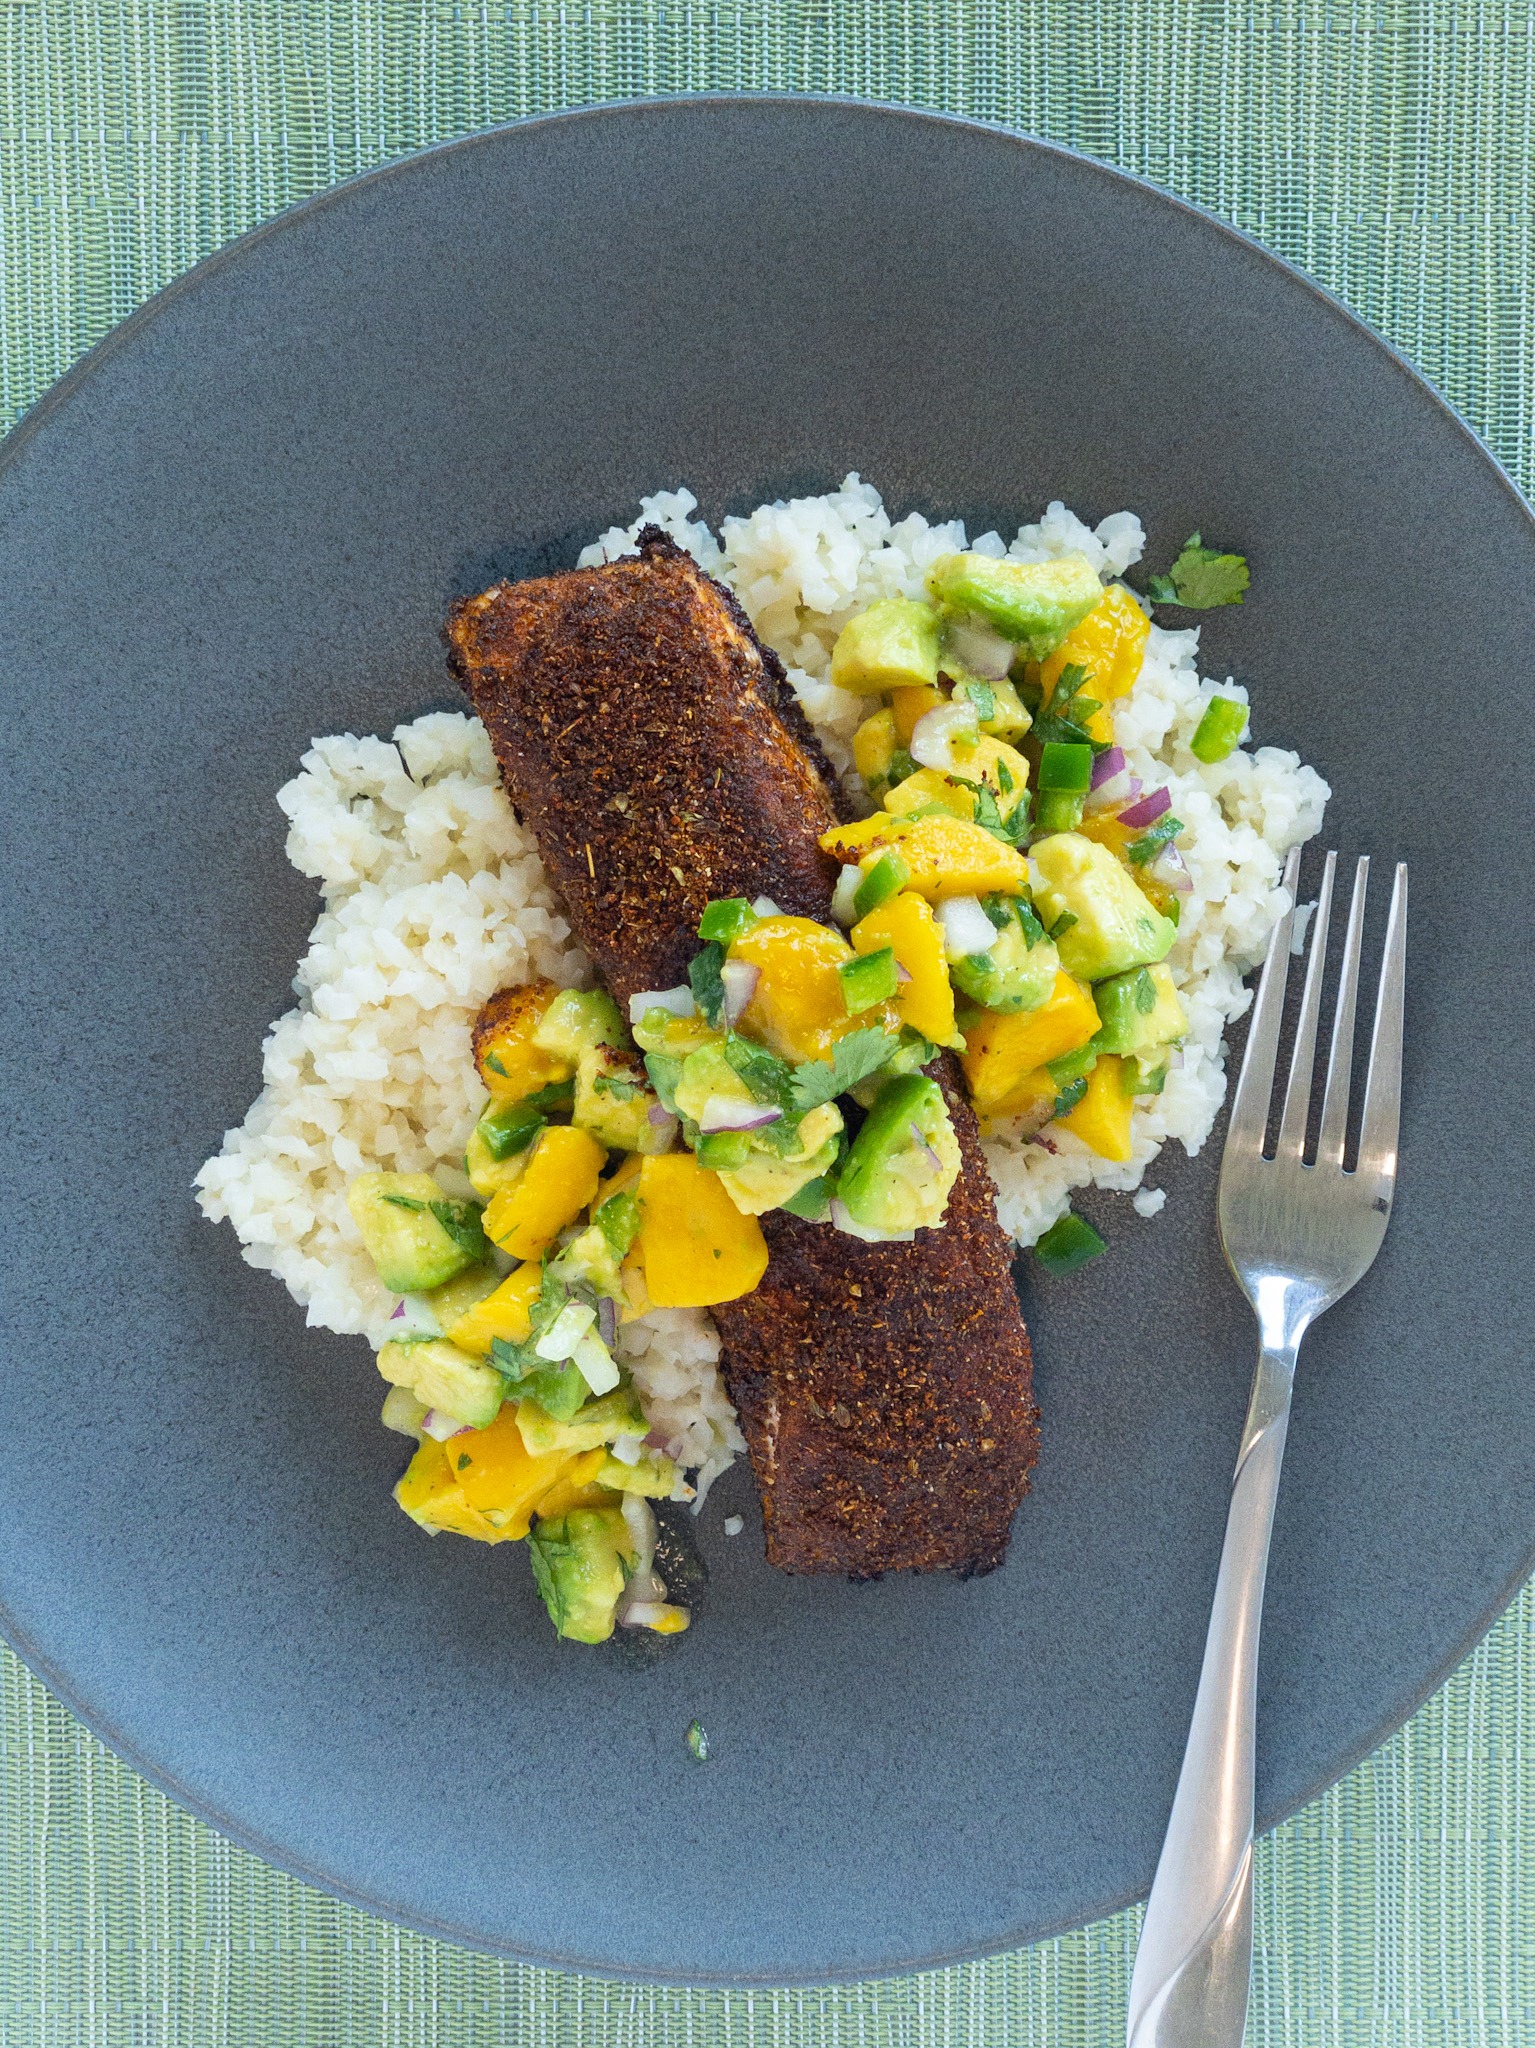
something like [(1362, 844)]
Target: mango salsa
[(1000, 1052), (906, 924), (797, 1008), (697, 1247), (484, 1483), (555, 1186), (502, 1313), (1102, 1118), (947, 857), (510, 1064)]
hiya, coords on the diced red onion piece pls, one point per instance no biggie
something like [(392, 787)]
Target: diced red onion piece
[(396, 1313), (764, 906), (1109, 763), (1148, 810), (724, 1113), (967, 929), (658, 1440), (1171, 870), (901, 974), (607, 1319), (679, 1001), (1108, 796), (739, 980), (659, 1114), (982, 651), (440, 1427)]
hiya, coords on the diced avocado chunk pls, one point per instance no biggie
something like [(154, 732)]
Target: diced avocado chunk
[(581, 1563), (414, 1234), (1100, 920), (708, 1077), (998, 707), (904, 1161), (766, 1181), (577, 1020), (614, 1101), (1140, 1010), (488, 1174), (451, 1302), (652, 1474), (669, 1036), (444, 1377), (597, 1422), (403, 1413), (1019, 971), (891, 646), (1035, 604)]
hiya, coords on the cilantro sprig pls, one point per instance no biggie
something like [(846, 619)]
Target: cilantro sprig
[(1200, 578), (853, 1059), (1065, 718)]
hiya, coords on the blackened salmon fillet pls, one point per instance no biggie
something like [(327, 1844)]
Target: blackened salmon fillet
[(655, 750)]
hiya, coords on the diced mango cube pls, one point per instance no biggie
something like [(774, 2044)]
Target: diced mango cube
[(873, 745), (1001, 1052), (798, 1007), (697, 1246), (1034, 1098), (1102, 1118), (906, 923), (510, 1064), (946, 856), (1110, 644), (907, 706), (555, 1186), (430, 1494), (931, 786), (502, 1480), (503, 1313)]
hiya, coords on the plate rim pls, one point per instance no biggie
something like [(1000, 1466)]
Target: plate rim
[(13, 446)]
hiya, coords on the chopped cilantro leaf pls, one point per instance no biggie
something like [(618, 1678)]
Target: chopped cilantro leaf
[(854, 1058), (1200, 578), (769, 1078), (618, 1218), (1150, 844), (461, 1220), (1062, 924), (704, 981)]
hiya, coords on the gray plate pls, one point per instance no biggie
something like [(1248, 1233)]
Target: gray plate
[(237, 525)]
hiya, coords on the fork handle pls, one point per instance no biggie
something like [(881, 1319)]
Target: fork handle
[(1194, 1962)]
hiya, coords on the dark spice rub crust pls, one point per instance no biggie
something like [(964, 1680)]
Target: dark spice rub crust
[(654, 749)]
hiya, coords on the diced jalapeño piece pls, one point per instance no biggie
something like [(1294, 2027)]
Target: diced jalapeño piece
[(1219, 731), (581, 1564), (415, 1236), (1035, 604), (726, 918), (891, 646), (888, 874), (1068, 1244), (904, 1161), (1114, 927), (867, 980)]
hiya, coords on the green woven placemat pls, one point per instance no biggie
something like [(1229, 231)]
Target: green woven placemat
[(1388, 148)]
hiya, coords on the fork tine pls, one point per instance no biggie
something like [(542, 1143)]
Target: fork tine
[(1255, 1083), (1297, 1101), (1383, 1083), (1340, 1059)]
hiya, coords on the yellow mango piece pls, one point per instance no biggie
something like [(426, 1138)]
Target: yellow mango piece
[(907, 706), (577, 1492), (1110, 644), (505, 1482), (1033, 1097), (797, 1007), (1105, 829), (1004, 771), (559, 1180), (1000, 1052), (431, 1495), (947, 857), (636, 1295), (670, 1621), (873, 744), (907, 924), (502, 1313), (1102, 1118), (510, 1064), (697, 1247), (931, 786)]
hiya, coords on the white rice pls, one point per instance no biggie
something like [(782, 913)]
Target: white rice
[(434, 897)]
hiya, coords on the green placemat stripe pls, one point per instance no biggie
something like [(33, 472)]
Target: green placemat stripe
[(1389, 149)]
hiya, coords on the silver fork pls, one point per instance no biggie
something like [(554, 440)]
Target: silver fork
[(1297, 1237)]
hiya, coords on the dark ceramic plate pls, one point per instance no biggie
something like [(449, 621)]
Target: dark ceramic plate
[(237, 525)]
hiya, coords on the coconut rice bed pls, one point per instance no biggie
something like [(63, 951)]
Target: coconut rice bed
[(434, 897)]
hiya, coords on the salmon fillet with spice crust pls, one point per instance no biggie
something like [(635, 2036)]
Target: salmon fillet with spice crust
[(654, 748)]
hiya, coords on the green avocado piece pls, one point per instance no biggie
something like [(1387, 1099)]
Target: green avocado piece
[(442, 1376), (707, 1076), (652, 1474), (1110, 925), (614, 1100), (1139, 1010), (600, 1421), (891, 646), (891, 1182), (577, 1020), (581, 1563), (767, 1180), (1020, 969), (1035, 604), (998, 707), (414, 1234)]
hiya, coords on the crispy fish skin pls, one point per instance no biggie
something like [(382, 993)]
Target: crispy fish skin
[(653, 748)]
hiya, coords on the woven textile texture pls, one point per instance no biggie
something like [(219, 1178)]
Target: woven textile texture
[(1387, 147)]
